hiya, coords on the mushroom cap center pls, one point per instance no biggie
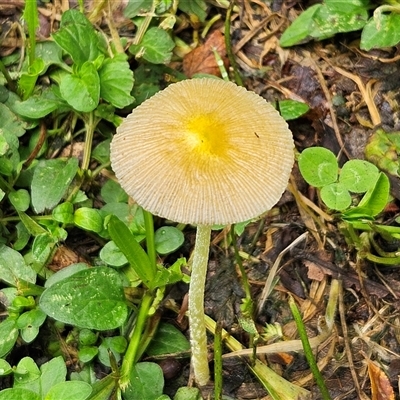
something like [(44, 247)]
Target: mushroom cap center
[(206, 135)]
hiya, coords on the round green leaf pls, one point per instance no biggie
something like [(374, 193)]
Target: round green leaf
[(112, 255), (87, 337), (5, 368), (29, 323), (146, 382), (88, 219), (336, 196), (358, 176), (382, 30), (168, 339), (292, 109), (93, 298), (70, 390), (318, 166), (29, 333), (82, 90), (112, 192), (167, 239), (87, 353), (156, 46), (20, 199), (64, 213), (18, 394)]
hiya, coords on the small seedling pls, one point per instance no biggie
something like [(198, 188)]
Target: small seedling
[(359, 192)]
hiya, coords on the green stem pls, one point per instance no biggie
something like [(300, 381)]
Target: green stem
[(218, 362), (7, 76), (198, 338), (90, 126), (308, 350), (238, 259), (133, 346), (32, 20), (150, 244)]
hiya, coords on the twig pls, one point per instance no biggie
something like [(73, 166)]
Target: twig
[(271, 276)]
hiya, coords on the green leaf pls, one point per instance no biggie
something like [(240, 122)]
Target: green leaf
[(71, 390), (78, 38), (29, 322), (31, 18), (336, 196), (318, 166), (82, 90), (92, 298), (112, 255), (134, 8), (13, 267), (11, 128), (50, 53), (381, 31), (50, 181), (358, 176), (87, 353), (146, 382), (132, 250), (116, 81), (300, 30), (20, 199), (8, 336), (101, 152), (167, 340), (382, 149), (322, 21), (188, 393), (42, 247), (112, 192), (88, 219), (116, 344), (147, 82), (31, 225), (53, 372), (292, 109), (27, 82), (377, 197), (5, 368), (194, 7), (167, 239), (38, 106), (18, 394), (156, 46), (64, 213)]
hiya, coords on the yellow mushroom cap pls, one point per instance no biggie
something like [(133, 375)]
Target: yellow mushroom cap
[(204, 151)]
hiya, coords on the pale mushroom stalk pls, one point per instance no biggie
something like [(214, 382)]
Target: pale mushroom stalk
[(198, 338)]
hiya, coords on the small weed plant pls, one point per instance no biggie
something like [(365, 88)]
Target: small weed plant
[(358, 192)]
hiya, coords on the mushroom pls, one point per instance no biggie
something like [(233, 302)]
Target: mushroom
[(203, 152)]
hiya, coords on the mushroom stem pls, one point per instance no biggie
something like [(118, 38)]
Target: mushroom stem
[(198, 338)]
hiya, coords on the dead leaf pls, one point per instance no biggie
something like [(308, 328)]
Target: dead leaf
[(202, 59), (315, 272), (63, 257), (380, 385)]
